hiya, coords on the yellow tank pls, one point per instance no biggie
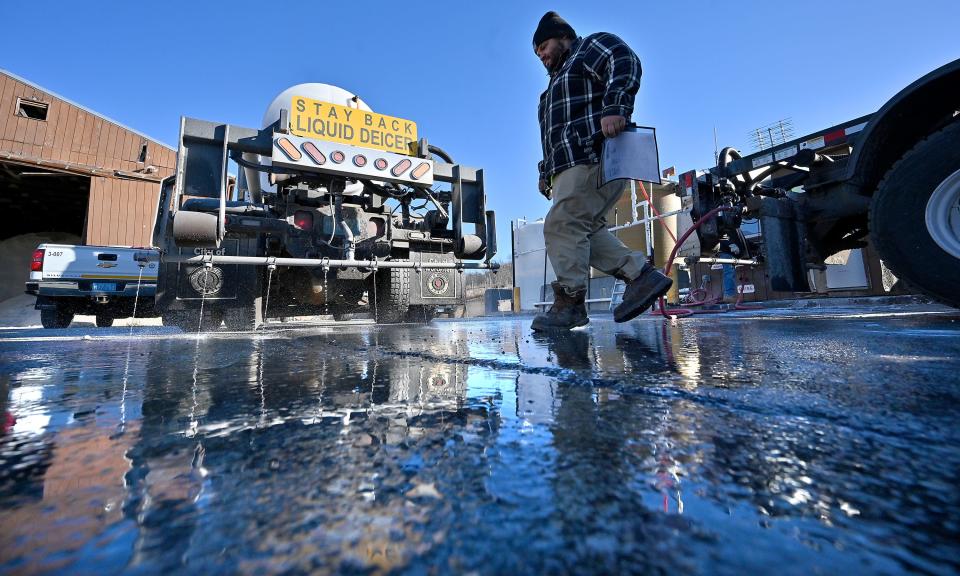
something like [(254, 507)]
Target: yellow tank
[(634, 237)]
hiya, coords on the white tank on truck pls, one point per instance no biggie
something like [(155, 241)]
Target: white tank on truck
[(314, 91)]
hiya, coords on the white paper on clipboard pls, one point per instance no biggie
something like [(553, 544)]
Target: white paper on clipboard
[(632, 155)]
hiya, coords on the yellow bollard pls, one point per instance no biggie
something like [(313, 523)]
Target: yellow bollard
[(664, 200)]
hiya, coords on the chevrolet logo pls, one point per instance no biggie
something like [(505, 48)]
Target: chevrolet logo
[(107, 265)]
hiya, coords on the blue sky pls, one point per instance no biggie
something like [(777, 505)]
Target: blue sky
[(467, 75)]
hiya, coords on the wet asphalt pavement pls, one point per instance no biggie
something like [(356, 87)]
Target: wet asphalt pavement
[(752, 442)]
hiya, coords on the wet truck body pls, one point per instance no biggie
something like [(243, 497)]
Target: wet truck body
[(892, 176), (336, 210)]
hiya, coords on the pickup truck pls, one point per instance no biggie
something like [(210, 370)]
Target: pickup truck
[(102, 281)]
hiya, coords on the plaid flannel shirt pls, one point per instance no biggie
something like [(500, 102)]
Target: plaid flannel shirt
[(600, 77)]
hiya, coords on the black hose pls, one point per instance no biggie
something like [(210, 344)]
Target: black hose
[(261, 167), (437, 151), (727, 154), (383, 190), (335, 213)]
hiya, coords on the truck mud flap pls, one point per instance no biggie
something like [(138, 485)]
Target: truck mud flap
[(435, 286), (222, 280), (783, 245)]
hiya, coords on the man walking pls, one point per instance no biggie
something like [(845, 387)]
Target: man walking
[(593, 82)]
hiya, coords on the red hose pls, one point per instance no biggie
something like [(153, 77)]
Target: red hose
[(692, 300), (655, 211), (683, 312)]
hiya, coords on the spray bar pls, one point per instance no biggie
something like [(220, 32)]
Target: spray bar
[(692, 259), (316, 262)]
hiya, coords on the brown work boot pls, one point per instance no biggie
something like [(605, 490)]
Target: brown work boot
[(641, 293), (568, 310)]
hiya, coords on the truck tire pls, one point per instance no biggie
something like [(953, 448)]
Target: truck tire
[(421, 314), (915, 219), (60, 317), (245, 317), (104, 321), (392, 295)]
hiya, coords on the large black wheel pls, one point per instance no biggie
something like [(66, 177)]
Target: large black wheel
[(61, 317), (104, 320), (392, 296), (245, 317), (915, 216)]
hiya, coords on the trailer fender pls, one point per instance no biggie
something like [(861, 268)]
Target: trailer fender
[(917, 111)]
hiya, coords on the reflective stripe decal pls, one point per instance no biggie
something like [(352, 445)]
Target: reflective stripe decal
[(115, 277)]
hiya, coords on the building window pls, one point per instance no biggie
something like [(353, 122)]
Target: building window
[(143, 153), (31, 109)]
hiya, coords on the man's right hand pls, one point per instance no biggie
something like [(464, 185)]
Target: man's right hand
[(545, 189)]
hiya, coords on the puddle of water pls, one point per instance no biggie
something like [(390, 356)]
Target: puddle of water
[(477, 446)]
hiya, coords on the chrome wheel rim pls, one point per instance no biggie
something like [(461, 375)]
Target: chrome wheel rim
[(943, 215)]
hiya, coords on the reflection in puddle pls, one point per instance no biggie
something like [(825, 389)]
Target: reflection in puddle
[(477, 446)]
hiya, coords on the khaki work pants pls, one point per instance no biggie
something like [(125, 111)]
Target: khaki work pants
[(575, 229)]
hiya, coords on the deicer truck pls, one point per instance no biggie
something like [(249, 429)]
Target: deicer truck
[(336, 209), (893, 176)]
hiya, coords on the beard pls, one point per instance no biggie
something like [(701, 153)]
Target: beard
[(557, 62)]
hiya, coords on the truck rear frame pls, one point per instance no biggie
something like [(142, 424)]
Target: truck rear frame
[(318, 243), (892, 176)]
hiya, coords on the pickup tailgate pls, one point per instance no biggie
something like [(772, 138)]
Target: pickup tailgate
[(92, 268)]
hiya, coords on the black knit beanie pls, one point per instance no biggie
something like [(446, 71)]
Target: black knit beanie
[(552, 26)]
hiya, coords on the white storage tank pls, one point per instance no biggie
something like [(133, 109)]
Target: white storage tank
[(531, 270)]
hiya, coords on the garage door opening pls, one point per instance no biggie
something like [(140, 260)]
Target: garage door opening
[(35, 199), (37, 205)]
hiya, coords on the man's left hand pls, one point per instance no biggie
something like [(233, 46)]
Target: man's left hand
[(612, 126)]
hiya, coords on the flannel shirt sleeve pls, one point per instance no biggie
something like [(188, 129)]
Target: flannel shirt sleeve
[(542, 121), (612, 62)]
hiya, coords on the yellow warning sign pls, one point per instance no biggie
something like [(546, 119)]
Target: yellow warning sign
[(311, 118)]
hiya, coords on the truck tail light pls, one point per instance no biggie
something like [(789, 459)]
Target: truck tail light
[(401, 167), (303, 220), (36, 264), (419, 171), (289, 149)]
